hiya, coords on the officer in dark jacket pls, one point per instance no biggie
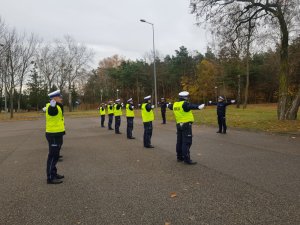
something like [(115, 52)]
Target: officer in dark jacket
[(221, 113), (55, 130), (148, 117), (163, 107), (184, 120), (110, 112), (130, 117)]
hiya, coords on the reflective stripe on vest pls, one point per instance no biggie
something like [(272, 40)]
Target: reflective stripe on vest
[(117, 112), (129, 112), (102, 111), (147, 116), (110, 111), (180, 115), (55, 124)]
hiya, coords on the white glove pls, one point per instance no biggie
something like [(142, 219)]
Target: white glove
[(152, 106), (44, 109), (232, 101), (209, 102), (122, 104), (201, 106), (132, 107), (53, 103)]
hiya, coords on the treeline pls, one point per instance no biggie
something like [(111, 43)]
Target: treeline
[(205, 76), (31, 68)]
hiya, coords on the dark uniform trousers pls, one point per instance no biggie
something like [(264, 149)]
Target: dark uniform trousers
[(102, 120), (147, 133), (163, 115), (222, 123), (129, 126), (184, 141), (117, 124), (110, 120), (55, 143)]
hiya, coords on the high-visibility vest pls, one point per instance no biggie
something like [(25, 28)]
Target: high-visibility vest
[(129, 112), (180, 115), (147, 116), (102, 111), (110, 111), (117, 112), (55, 124)]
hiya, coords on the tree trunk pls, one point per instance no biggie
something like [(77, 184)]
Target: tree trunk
[(12, 102), (284, 69), (20, 96), (293, 110), (70, 98)]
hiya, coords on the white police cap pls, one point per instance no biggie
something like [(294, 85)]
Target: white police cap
[(54, 94), (221, 98), (147, 97), (118, 100), (129, 100), (183, 94)]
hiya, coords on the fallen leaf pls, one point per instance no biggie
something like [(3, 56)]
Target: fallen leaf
[(167, 223), (173, 194)]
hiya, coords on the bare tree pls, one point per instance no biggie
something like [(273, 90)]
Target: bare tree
[(281, 14), (28, 50), (13, 64), (2, 63), (47, 62), (77, 57)]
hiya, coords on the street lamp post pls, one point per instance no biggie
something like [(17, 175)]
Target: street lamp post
[(154, 68)]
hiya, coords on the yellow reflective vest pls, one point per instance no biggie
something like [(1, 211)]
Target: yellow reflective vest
[(55, 124), (117, 112), (102, 111), (147, 116), (129, 112), (110, 111), (180, 115)]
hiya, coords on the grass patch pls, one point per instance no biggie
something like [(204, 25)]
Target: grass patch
[(261, 117), (255, 117)]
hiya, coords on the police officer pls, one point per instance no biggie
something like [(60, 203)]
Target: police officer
[(55, 130), (110, 112), (163, 106), (117, 114), (148, 117), (130, 117), (221, 113), (184, 120), (102, 113)]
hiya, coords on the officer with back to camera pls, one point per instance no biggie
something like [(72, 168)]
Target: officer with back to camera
[(184, 120), (163, 107), (117, 114), (110, 113), (55, 130), (148, 117), (102, 113), (221, 113), (130, 117)]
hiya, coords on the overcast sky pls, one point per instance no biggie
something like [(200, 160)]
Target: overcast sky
[(112, 26)]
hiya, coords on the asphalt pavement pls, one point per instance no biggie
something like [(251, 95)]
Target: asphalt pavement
[(241, 177)]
